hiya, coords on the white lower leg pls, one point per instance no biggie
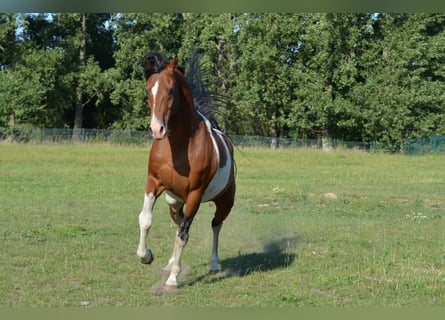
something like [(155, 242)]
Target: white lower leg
[(169, 265), (214, 259), (145, 221), (175, 267), (175, 206)]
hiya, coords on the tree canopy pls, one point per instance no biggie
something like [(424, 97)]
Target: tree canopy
[(358, 77)]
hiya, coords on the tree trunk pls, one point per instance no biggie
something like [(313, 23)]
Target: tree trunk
[(11, 121), (78, 115), (274, 133), (221, 80)]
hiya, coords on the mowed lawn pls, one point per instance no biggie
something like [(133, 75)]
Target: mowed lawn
[(309, 228)]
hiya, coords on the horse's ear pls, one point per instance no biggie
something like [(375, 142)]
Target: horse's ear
[(173, 63)]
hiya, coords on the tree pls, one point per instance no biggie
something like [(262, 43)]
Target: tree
[(27, 88), (399, 94), (368, 77), (211, 38), (265, 44), (84, 37), (8, 40), (28, 75), (48, 50), (330, 46), (78, 114), (136, 34)]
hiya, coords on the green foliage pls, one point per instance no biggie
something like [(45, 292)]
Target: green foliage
[(136, 34), (27, 89), (8, 49), (360, 77)]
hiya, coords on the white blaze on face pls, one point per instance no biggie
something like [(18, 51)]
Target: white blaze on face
[(157, 126), (154, 91)]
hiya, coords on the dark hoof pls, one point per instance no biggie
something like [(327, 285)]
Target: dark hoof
[(148, 259), (214, 271)]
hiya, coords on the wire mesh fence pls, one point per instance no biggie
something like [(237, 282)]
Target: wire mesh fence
[(135, 137), (433, 144), (295, 143), (67, 136)]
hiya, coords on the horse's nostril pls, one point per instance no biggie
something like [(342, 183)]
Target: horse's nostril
[(161, 130)]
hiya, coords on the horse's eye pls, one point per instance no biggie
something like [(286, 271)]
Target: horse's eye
[(171, 92)]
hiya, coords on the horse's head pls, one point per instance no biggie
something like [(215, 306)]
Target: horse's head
[(162, 89)]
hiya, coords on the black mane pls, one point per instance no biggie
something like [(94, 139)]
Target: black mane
[(153, 62)]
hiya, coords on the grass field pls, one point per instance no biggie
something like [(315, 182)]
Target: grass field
[(69, 231)]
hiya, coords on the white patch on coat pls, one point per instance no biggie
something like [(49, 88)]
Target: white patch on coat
[(222, 175)]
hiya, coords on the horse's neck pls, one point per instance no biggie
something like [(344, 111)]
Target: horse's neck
[(184, 124), (186, 121)]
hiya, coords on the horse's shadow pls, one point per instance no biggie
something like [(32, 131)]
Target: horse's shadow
[(276, 254)]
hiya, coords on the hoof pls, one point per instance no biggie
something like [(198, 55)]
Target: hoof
[(147, 259), (170, 288), (214, 271), (165, 289)]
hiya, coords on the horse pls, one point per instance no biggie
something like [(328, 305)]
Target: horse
[(189, 159)]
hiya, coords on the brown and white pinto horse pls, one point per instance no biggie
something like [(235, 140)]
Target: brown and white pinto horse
[(189, 159)]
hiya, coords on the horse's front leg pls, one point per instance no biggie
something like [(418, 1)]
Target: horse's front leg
[(182, 236), (145, 220), (177, 215)]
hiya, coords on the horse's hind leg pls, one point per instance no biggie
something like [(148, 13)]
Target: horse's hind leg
[(214, 258), (223, 206)]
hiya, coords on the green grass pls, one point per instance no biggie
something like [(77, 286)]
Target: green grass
[(69, 231)]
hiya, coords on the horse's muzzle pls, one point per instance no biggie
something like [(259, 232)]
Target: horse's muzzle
[(158, 129)]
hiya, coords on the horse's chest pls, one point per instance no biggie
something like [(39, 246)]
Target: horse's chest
[(217, 185), (179, 183)]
